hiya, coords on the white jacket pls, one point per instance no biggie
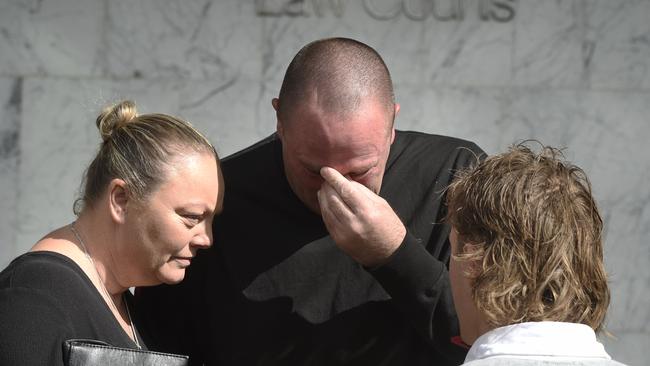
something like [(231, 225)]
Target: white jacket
[(539, 343)]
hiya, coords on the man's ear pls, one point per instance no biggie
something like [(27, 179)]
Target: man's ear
[(280, 130), (392, 136), (118, 199), (278, 125)]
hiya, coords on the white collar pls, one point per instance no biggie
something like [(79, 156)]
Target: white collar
[(538, 339)]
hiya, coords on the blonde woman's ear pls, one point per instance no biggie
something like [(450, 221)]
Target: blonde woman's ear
[(117, 200)]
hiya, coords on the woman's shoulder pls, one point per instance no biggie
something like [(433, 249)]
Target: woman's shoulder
[(45, 298), (42, 270), (51, 261), (30, 309), (43, 278)]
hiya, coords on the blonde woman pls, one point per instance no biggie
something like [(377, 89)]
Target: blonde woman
[(149, 198), (527, 273)]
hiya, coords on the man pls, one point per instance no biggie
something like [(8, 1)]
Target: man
[(277, 288), (527, 270)]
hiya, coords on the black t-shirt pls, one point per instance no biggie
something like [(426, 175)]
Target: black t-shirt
[(275, 290), (45, 299)]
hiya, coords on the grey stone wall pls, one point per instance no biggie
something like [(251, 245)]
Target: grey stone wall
[(572, 73)]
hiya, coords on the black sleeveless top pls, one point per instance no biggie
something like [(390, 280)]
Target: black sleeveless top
[(45, 299)]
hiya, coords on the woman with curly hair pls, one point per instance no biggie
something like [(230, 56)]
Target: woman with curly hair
[(527, 272)]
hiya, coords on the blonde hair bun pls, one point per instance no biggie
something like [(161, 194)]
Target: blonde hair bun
[(114, 117)]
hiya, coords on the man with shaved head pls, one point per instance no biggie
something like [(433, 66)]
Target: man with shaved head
[(306, 268), (336, 106)]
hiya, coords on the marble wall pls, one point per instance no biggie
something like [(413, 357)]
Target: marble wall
[(571, 73)]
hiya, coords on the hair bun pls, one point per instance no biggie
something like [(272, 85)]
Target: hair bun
[(114, 117)]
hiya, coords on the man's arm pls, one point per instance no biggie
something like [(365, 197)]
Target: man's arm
[(365, 227)]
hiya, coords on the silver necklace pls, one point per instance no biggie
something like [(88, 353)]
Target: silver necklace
[(103, 286)]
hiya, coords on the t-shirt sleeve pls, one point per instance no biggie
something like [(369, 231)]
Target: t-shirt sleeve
[(418, 280), (419, 286), (33, 328)]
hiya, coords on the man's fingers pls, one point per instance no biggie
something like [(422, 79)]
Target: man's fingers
[(329, 219), (346, 190), (334, 178), (331, 204)]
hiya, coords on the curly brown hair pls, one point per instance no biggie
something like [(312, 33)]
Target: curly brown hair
[(529, 226)]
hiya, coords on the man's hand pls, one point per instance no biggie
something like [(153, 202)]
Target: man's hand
[(361, 223)]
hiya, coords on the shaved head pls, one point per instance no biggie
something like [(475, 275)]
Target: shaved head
[(337, 74)]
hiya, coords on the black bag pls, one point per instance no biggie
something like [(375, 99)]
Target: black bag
[(85, 352)]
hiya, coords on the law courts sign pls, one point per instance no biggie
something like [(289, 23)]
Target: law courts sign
[(418, 10)]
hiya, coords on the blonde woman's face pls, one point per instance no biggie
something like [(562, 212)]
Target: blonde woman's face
[(166, 231)]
